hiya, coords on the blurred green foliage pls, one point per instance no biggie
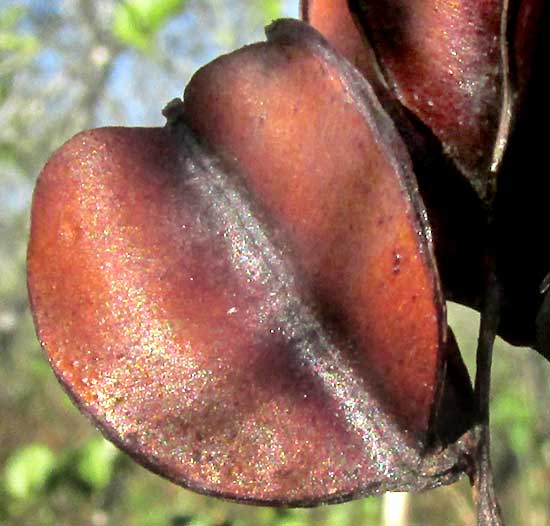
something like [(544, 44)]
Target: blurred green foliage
[(15, 47), (137, 22), (95, 463), (28, 470), (66, 66), (272, 9)]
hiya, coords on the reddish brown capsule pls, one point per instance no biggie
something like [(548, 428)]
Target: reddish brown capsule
[(246, 300), (448, 63), (512, 52), (455, 212)]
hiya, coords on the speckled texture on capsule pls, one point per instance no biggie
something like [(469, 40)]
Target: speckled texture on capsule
[(239, 343), (325, 168)]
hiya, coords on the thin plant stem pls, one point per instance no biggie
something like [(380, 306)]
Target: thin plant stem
[(488, 510)]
